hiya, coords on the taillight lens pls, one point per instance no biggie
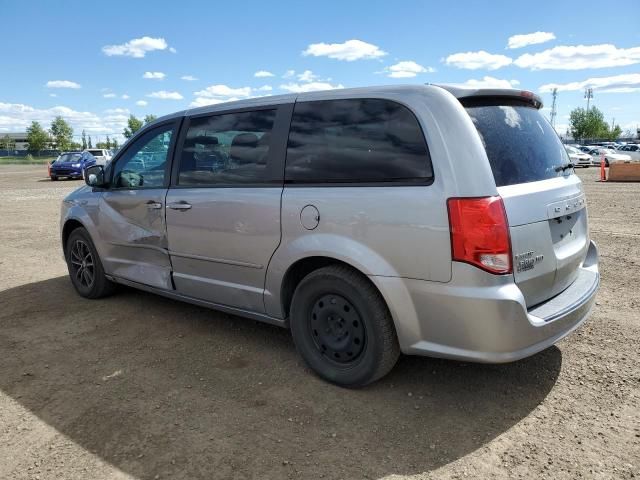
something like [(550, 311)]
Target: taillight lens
[(480, 233)]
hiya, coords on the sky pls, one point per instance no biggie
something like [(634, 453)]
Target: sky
[(95, 63)]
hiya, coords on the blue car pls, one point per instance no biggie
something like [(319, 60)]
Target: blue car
[(71, 165)]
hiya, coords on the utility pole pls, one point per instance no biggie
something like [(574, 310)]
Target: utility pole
[(588, 94), (554, 94)]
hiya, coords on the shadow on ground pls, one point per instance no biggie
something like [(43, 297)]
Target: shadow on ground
[(157, 387)]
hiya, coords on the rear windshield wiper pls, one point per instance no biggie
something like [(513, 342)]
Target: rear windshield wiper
[(562, 168)]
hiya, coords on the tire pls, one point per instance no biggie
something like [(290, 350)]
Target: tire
[(606, 162), (85, 268), (54, 178), (342, 327)]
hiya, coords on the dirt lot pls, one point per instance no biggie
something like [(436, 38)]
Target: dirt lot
[(137, 386)]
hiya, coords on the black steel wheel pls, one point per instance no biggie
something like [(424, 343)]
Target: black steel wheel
[(85, 267), (342, 327), (337, 329)]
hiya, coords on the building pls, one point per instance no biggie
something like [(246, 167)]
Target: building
[(18, 138)]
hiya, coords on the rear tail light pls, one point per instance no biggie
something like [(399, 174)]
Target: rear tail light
[(480, 233)]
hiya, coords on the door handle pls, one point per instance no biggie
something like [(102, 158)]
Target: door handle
[(151, 205), (181, 205)]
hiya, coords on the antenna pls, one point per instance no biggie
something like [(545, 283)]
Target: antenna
[(588, 94), (554, 111)]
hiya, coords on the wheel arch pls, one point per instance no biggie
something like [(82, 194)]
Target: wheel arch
[(69, 226)]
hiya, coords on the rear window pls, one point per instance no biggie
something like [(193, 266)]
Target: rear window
[(356, 141), (95, 153), (520, 143)]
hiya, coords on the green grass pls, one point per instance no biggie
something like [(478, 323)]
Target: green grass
[(25, 160)]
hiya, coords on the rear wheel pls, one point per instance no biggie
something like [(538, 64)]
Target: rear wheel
[(342, 327), (85, 268)]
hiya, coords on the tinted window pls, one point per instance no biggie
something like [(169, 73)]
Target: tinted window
[(356, 140), (144, 162), (69, 157), (230, 148), (96, 153), (521, 145)]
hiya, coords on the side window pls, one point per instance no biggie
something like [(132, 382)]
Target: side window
[(359, 140), (229, 148), (143, 165)]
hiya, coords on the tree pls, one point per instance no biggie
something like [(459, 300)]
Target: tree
[(149, 118), (585, 124), (133, 125), (108, 143), (62, 133), (84, 140), (37, 137), (89, 144), (114, 144), (611, 133)]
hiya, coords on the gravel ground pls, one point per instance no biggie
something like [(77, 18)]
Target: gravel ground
[(137, 386)]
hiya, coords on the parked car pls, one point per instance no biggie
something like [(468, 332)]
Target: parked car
[(633, 150), (70, 165), (578, 158), (610, 156), (357, 218), (101, 155)]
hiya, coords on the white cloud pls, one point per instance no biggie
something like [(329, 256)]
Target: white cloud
[(307, 76), (625, 83), (223, 91), (487, 82), (476, 60), (309, 87), (136, 48), (109, 95), (289, 74), (53, 95), (141, 103), (124, 96), (266, 88), (263, 74), (579, 57), (62, 84), (406, 69), (117, 110), (17, 117), (154, 75), (204, 101), (519, 41), (165, 95), (218, 94), (350, 50), (188, 78), (173, 50)]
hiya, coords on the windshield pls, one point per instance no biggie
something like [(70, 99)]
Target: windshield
[(69, 157), (573, 150), (520, 143)]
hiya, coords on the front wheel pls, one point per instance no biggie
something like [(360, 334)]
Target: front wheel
[(84, 265), (342, 327), (53, 178)]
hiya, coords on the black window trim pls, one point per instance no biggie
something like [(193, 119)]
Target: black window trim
[(418, 182), (176, 125), (277, 149)]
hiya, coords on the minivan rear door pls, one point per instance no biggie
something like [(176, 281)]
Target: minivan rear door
[(223, 205), (543, 198)]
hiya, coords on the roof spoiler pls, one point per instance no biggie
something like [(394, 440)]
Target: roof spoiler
[(507, 93)]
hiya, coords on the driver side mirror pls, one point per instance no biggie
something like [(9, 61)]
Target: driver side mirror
[(94, 176)]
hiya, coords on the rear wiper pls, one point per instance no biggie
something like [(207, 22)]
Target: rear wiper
[(562, 168)]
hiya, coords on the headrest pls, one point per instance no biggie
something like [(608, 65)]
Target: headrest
[(243, 148), (200, 140)]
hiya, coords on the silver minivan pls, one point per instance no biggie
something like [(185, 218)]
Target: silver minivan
[(427, 220)]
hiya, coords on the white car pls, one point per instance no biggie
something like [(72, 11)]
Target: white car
[(102, 156), (633, 150), (610, 156), (578, 158)]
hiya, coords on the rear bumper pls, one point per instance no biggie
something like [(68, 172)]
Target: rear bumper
[(489, 321)]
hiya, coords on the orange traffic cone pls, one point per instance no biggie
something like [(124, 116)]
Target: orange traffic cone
[(603, 173)]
